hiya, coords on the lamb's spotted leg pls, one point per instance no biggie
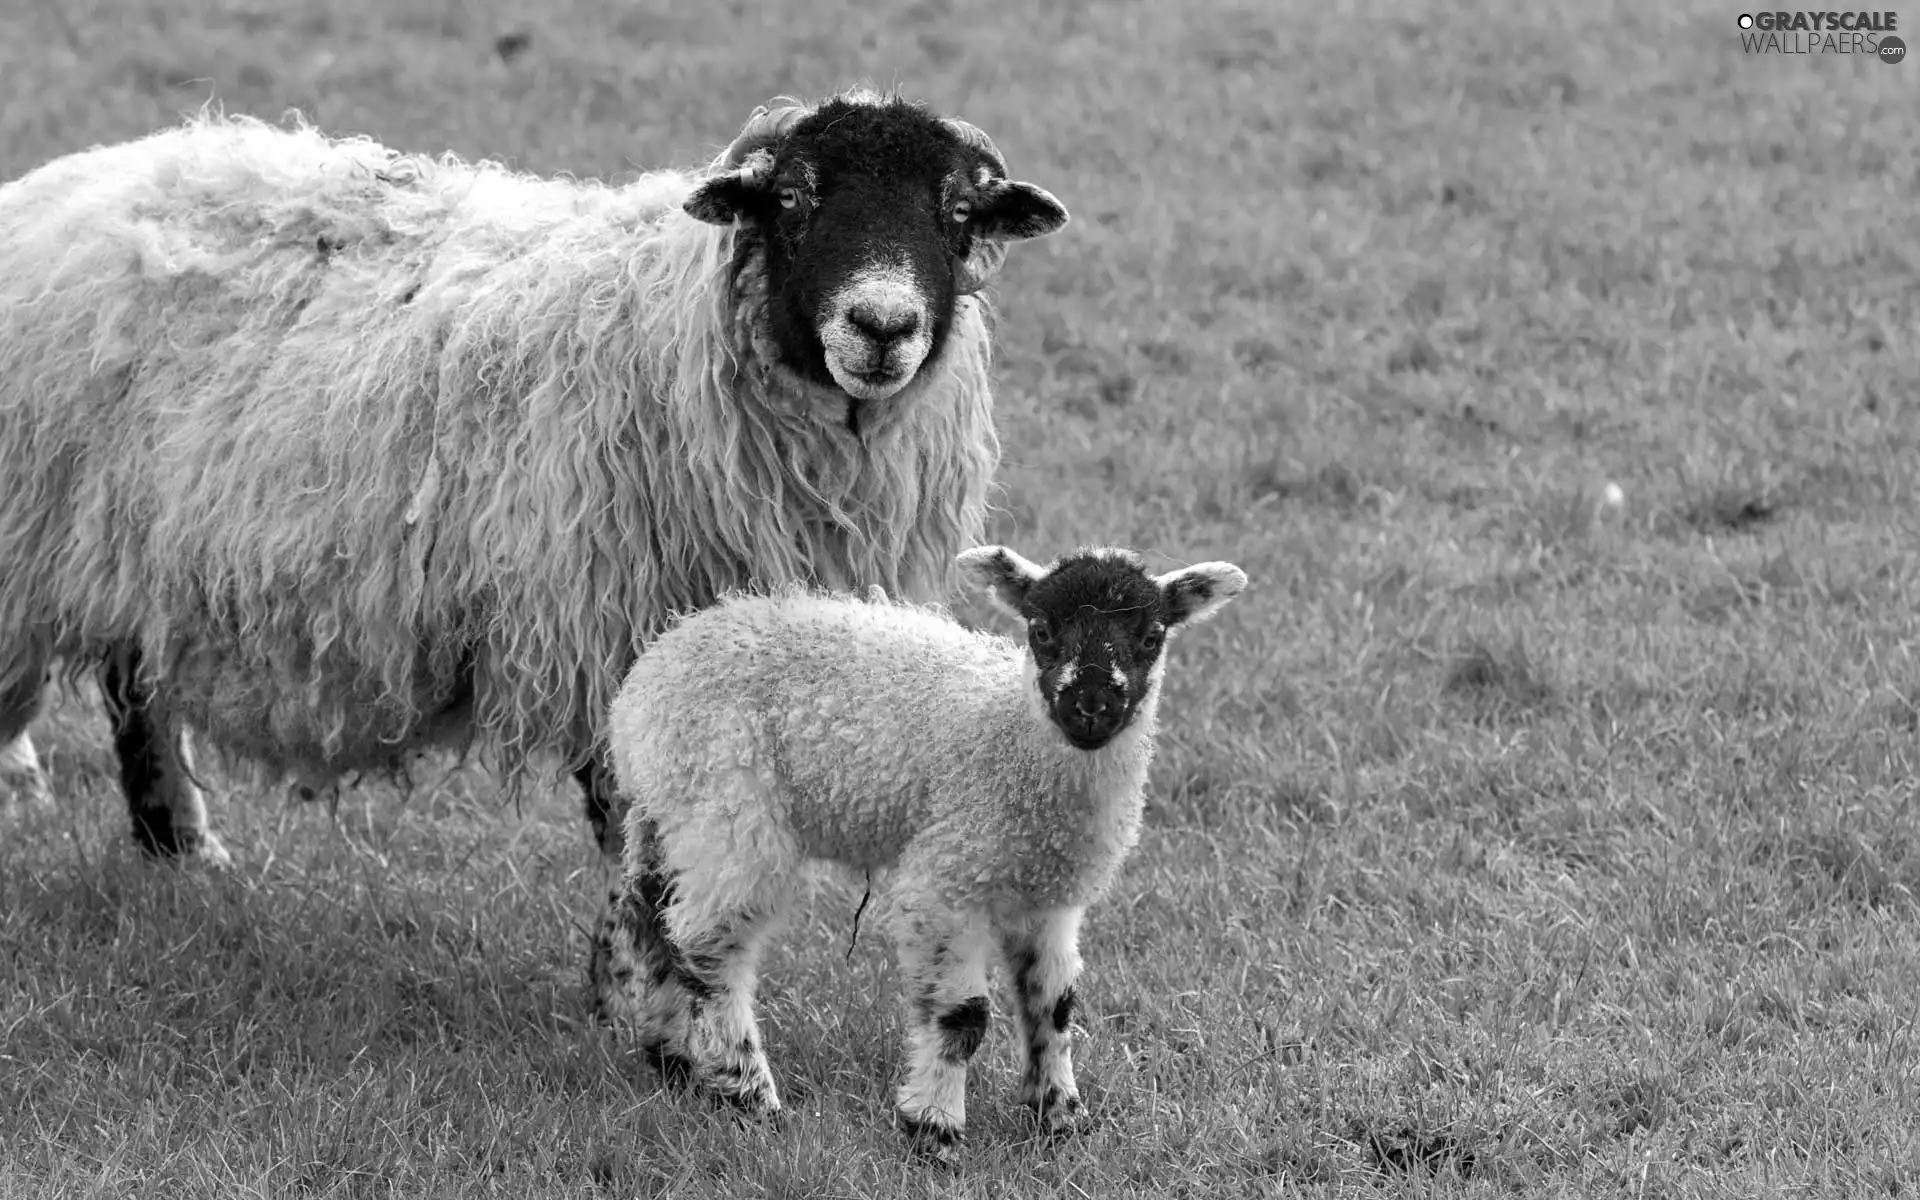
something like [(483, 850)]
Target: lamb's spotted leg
[(22, 781), (719, 969), (943, 967), (156, 772), (1043, 958), (634, 972), (689, 998)]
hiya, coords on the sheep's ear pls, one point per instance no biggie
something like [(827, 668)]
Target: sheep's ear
[(1002, 574), (722, 199), (1193, 594), (1010, 211)]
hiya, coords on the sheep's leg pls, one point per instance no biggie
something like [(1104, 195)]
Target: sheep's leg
[(605, 810), (156, 772), (635, 971), (22, 781), (1043, 958), (943, 965)]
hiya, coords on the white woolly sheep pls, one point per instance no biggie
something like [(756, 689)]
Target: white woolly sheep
[(331, 453), (1002, 787)]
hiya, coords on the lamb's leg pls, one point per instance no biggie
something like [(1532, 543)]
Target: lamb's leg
[(1043, 958), (22, 781), (169, 815), (689, 998), (634, 973), (605, 810), (719, 971), (943, 967)]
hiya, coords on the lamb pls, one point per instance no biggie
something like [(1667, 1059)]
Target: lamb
[(332, 454), (1002, 787)]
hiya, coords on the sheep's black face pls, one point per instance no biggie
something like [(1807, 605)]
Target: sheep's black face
[(1096, 621), (1095, 628), (873, 216)]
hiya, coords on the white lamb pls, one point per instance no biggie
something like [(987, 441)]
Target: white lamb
[(1002, 785)]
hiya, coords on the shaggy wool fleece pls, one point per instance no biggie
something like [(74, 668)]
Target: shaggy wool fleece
[(366, 449)]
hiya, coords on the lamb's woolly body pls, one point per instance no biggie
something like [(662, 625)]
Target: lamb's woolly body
[(757, 726), (367, 449), (767, 732)]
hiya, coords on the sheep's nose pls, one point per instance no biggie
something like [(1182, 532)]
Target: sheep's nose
[(1091, 703), (884, 323)]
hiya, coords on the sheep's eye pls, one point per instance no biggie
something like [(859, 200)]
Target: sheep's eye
[(1041, 633), (789, 197), (961, 211), (1152, 641)]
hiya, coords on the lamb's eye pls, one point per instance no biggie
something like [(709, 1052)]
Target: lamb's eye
[(1152, 640), (789, 197), (961, 211), (1041, 633)]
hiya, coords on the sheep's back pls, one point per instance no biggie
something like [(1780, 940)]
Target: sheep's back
[(233, 362)]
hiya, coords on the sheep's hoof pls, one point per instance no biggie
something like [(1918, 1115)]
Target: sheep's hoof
[(200, 848), (190, 849), (932, 1136), (186, 846)]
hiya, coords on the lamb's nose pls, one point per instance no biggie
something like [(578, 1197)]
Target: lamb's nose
[(884, 324), (1091, 703)]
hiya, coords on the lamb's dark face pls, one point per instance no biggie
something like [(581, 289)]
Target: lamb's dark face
[(1096, 624), (1095, 629), (874, 216)]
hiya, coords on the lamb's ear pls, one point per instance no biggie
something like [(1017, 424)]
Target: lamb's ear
[(1193, 594), (1002, 574), (1011, 211)]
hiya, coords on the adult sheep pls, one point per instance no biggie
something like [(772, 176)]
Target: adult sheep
[(331, 453)]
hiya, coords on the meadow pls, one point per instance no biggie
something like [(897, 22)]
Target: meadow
[(1503, 840)]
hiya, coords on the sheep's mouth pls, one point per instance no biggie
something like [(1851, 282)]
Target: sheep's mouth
[(878, 384)]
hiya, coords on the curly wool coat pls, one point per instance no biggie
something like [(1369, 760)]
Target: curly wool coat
[(752, 737)]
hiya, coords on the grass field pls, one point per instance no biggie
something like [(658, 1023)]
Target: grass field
[(1502, 842)]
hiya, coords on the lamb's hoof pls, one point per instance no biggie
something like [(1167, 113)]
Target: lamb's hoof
[(1059, 1113), (745, 1085), (753, 1105), (675, 1068), (932, 1136), (770, 1115)]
